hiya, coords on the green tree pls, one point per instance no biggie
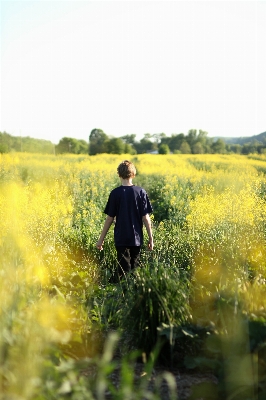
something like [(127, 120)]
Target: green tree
[(202, 136), (115, 146), (236, 148), (185, 147), (67, 145), (130, 149), (148, 136), (83, 146), (219, 146), (129, 139), (164, 149), (145, 144), (70, 145), (166, 140), (158, 137), (191, 137), (205, 141), (197, 148), (3, 148), (98, 140), (252, 147), (176, 141)]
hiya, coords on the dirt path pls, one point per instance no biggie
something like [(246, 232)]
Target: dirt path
[(186, 383)]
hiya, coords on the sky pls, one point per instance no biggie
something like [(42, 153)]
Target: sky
[(132, 67)]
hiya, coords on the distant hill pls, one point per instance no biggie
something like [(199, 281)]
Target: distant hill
[(242, 140)]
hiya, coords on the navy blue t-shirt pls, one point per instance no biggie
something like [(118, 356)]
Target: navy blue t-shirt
[(128, 204)]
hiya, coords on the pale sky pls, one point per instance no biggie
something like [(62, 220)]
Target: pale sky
[(131, 66)]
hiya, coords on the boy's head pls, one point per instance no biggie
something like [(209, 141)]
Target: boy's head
[(126, 170)]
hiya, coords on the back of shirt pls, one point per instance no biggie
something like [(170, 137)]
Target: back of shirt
[(128, 204)]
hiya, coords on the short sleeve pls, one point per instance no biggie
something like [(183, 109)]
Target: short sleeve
[(110, 208), (146, 205)]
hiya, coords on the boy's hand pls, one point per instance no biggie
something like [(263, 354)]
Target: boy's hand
[(147, 222), (150, 244), (107, 224), (99, 245)]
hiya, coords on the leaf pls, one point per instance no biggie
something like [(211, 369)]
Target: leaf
[(187, 332)]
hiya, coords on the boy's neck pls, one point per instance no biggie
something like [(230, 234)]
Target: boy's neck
[(126, 182)]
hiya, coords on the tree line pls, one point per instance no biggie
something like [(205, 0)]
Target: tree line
[(194, 142), (9, 143)]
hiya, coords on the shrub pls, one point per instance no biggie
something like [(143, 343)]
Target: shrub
[(164, 149)]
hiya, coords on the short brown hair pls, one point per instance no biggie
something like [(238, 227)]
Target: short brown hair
[(126, 170)]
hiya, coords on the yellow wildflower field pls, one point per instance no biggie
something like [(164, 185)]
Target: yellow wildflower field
[(209, 221)]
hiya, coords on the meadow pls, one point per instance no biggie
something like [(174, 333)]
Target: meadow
[(197, 302)]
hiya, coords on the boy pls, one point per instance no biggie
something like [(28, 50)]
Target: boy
[(130, 206)]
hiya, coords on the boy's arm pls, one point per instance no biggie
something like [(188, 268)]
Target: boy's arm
[(147, 222), (107, 224)]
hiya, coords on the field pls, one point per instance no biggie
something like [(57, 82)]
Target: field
[(197, 303)]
